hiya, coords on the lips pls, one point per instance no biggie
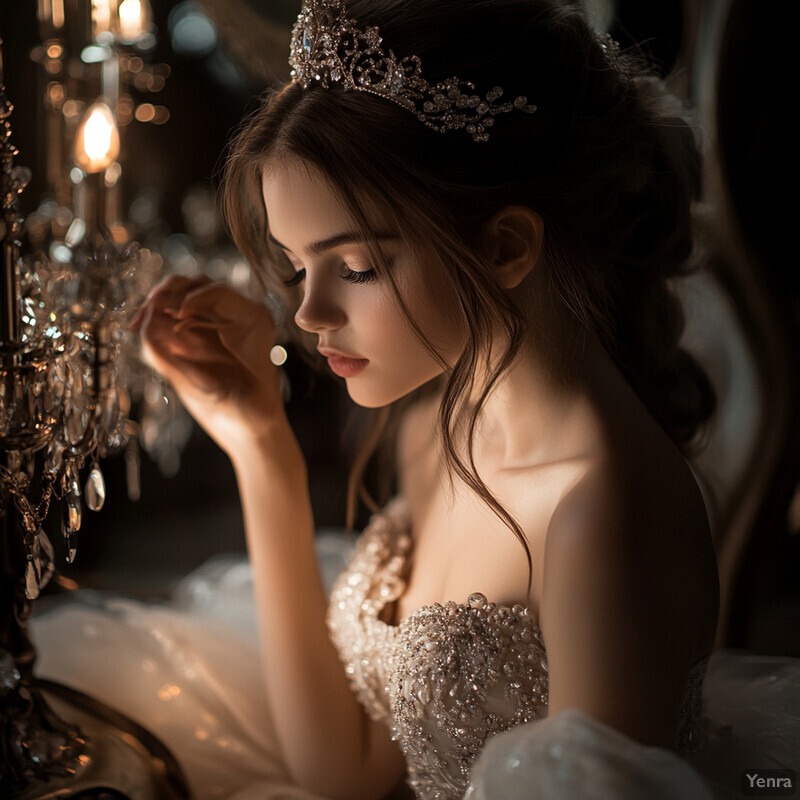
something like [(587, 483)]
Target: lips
[(343, 365)]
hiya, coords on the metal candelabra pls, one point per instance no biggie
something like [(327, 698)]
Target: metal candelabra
[(63, 406)]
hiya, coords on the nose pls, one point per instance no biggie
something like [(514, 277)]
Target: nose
[(319, 309)]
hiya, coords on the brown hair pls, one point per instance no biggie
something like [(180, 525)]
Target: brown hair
[(612, 175)]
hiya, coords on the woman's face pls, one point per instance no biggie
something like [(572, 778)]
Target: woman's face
[(362, 330)]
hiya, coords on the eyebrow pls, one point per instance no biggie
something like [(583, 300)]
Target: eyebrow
[(337, 240)]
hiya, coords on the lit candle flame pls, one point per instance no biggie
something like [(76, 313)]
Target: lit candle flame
[(51, 16), (101, 16), (131, 19), (97, 142)]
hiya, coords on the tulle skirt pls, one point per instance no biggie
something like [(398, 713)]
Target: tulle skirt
[(191, 672)]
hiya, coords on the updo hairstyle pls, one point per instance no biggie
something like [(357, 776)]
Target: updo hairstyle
[(608, 164)]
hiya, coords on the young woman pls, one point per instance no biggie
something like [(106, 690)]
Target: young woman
[(501, 255), (473, 210)]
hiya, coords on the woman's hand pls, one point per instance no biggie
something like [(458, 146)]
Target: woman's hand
[(212, 345)]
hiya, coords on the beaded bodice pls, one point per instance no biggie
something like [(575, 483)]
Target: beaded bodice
[(450, 675)]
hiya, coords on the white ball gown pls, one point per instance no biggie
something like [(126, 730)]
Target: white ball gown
[(463, 687)]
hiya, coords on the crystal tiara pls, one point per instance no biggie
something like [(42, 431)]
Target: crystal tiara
[(330, 49)]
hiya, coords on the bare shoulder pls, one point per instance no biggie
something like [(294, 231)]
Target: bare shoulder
[(640, 524), (629, 596)]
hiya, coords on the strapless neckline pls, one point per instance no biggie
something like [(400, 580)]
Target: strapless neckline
[(391, 584), (450, 675)]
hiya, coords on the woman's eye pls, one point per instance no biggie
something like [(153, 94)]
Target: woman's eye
[(296, 278), (361, 276), (350, 275)]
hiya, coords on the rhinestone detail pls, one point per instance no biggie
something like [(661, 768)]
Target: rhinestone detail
[(450, 675), (329, 49)]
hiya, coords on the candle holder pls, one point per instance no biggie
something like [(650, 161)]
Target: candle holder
[(62, 407)]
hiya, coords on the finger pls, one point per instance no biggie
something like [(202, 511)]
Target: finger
[(201, 344), (195, 322), (245, 328), (161, 331), (206, 337), (251, 343), (226, 342), (218, 301), (195, 357), (185, 373), (168, 295)]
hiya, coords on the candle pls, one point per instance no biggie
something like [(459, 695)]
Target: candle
[(102, 11), (51, 17), (97, 140), (131, 20), (96, 148)]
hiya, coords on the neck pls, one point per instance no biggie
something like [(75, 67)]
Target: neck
[(542, 408)]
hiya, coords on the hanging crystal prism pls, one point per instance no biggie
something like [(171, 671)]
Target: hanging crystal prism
[(54, 458), (32, 579), (74, 514), (71, 475), (44, 557), (111, 422), (95, 491), (76, 422), (70, 547), (32, 572), (70, 537)]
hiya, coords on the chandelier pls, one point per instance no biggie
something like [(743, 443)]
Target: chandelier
[(69, 376)]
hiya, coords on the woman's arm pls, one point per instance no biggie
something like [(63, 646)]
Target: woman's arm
[(628, 604), (212, 344), (329, 743)]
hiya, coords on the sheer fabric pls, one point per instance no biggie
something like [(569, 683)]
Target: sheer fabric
[(462, 686)]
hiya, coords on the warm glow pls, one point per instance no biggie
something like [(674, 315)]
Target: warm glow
[(52, 11), (58, 14), (131, 19), (278, 355), (97, 142), (101, 16), (167, 692), (145, 112)]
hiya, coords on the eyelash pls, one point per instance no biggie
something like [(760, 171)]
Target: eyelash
[(296, 279), (350, 275), (359, 277)]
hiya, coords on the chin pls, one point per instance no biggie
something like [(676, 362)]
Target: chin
[(367, 399), (379, 397)]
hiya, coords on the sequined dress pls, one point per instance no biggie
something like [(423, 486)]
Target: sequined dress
[(451, 675), (454, 683)]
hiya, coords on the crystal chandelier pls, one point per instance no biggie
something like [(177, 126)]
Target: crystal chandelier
[(63, 353), (68, 366), (68, 371)]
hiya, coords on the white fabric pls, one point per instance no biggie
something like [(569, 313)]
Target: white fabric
[(573, 756), (190, 671)]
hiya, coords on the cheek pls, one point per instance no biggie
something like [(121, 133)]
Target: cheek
[(433, 304), (438, 316), (396, 325)]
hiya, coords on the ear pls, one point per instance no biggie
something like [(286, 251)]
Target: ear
[(515, 235)]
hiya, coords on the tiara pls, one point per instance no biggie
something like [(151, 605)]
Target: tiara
[(328, 48)]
